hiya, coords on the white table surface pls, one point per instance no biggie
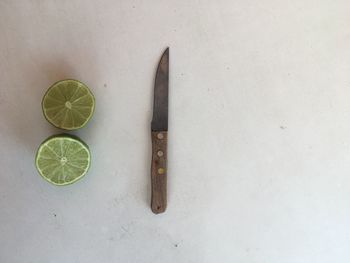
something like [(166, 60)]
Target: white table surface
[(259, 131)]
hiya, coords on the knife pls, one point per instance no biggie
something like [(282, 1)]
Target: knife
[(159, 134)]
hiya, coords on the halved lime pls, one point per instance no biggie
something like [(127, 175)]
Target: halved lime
[(68, 104), (62, 159)]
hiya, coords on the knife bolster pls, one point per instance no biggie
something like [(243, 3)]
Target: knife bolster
[(159, 171)]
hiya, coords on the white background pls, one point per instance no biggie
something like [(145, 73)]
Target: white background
[(259, 131)]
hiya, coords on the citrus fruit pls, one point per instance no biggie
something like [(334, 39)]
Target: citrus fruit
[(62, 159), (68, 104)]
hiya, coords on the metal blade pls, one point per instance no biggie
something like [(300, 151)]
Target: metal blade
[(161, 88)]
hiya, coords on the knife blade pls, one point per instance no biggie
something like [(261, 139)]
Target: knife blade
[(159, 135)]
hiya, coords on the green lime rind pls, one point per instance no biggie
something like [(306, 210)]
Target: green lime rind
[(68, 104), (63, 159)]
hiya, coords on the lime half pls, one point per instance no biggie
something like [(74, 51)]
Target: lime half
[(68, 104), (62, 159)]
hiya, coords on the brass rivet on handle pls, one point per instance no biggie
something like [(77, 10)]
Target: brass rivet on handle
[(160, 136), (160, 153), (161, 171)]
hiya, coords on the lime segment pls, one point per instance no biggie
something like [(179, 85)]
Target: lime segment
[(68, 104), (63, 159)]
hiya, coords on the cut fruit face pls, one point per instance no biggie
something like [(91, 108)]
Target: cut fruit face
[(68, 104), (63, 159)]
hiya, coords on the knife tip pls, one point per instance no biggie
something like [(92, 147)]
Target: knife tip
[(165, 53)]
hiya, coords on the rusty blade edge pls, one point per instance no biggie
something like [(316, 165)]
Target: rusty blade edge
[(161, 90)]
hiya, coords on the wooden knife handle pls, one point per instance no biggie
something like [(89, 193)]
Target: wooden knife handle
[(159, 171)]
